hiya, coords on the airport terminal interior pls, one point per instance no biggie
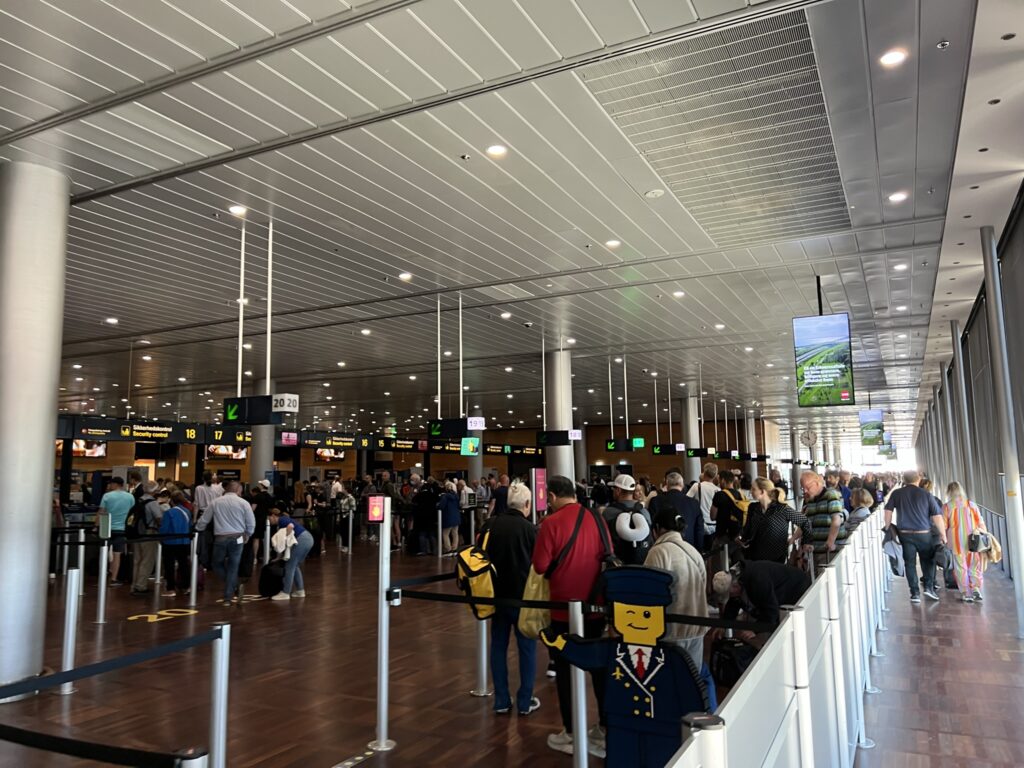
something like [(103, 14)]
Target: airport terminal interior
[(626, 383)]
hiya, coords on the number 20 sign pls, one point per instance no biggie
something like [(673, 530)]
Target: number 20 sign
[(284, 403)]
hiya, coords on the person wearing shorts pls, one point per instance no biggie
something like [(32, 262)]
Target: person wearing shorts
[(117, 503)]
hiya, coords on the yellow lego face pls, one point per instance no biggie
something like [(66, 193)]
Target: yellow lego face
[(639, 624)]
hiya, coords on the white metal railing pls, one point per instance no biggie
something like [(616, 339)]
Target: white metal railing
[(815, 662), (995, 523)]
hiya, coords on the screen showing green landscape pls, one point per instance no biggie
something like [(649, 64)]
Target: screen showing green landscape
[(871, 427), (824, 360)]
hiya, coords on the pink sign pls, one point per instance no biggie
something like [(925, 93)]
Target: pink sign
[(540, 489), (375, 509)]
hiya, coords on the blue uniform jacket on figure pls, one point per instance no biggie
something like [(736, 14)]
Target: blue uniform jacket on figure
[(644, 713)]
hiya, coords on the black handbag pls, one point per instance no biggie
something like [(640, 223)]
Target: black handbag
[(979, 541)]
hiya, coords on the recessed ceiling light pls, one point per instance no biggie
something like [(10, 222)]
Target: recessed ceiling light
[(143, 341), (465, 388), (748, 349), (900, 267), (678, 294), (447, 353), (248, 373), (719, 326), (326, 383), (181, 379), (570, 340), (769, 365), (508, 369), (590, 391), (77, 366), (654, 194), (509, 395), (365, 331), (412, 377), (247, 346), (111, 321), (405, 276), (147, 358), (341, 363), (901, 336), (613, 243), (618, 359), (506, 315), (237, 210), (898, 197), (901, 308), (497, 150), (893, 58)]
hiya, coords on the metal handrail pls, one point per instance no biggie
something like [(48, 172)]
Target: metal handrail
[(995, 523)]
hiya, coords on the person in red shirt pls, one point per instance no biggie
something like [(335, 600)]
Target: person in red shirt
[(569, 551)]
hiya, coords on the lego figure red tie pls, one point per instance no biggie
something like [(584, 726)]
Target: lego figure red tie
[(640, 669)]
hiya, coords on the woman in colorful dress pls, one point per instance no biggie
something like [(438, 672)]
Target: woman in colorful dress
[(963, 518)]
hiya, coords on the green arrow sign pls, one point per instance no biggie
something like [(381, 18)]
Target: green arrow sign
[(435, 429), (231, 412), (657, 450)]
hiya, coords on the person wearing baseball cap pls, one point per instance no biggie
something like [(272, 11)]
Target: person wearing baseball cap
[(629, 522), (262, 503)]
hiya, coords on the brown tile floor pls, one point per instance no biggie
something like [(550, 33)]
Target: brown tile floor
[(303, 675), (952, 683)]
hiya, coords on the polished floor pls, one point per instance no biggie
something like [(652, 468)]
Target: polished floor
[(952, 683), (302, 684), (303, 675)]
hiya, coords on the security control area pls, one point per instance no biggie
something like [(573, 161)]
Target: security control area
[(308, 262)]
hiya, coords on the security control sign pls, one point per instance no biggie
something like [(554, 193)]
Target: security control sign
[(284, 403), (223, 434)]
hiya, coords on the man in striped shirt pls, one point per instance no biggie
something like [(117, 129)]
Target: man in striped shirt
[(824, 508)]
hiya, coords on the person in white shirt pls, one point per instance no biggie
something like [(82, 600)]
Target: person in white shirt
[(335, 488), (207, 493), (704, 492), (233, 525)]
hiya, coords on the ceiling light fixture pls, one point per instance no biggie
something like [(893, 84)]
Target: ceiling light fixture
[(412, 377), (654, 194), (898, 197), (147, 358), (341, 363), (901, 308), (365, 331), (570, 340), (77, 366), (613, 243), (447, 353), (111, 321), (678, 294), (237, 210), (181, 379), (900, 267), (893, 58), (719, 326), (506, 315), (508, 369), (497, 150), (247, 346), (618, 359), (406, 276)]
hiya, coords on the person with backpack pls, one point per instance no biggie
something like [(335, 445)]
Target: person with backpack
[(704, 492), (728, 508), (117, 503), (628, 522), (509, 539), (176, 519), (572, 544), (144, 520), (686, 507)]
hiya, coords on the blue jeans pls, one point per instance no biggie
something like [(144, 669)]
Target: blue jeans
[(292, 574), (503, 623), (226, 553)]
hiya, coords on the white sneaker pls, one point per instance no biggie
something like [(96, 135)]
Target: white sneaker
[(344, 550), (561, 742), (596, 744), (281, 596), (299, 593)]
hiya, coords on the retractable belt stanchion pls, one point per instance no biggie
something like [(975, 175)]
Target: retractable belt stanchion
[(193, 570), (81, 558), (350, 515), (725, 567), (439, 555), (382, 743), (472, 525), (802, 682), (64, 555), (219, 698), (481, 661), (266, 543), (159, 568), (70, 626), (836, 646), (101, 596), (579, 693)]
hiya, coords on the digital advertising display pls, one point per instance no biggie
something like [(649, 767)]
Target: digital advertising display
[(871, 427), (470, 446), (824, 360), (84, 448), (226, 452)]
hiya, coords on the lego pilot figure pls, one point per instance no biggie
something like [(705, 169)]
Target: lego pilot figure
[(651, 685)]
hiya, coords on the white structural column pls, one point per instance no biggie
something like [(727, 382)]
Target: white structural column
[(1005, 417), (960, 396), (751, 443), (558, 380), (475, 466), (261, 451), (33, 233), (794, 483), (691, 436), (956, 471), (580, 454)]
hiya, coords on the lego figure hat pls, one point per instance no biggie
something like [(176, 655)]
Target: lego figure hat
[(638, 585)]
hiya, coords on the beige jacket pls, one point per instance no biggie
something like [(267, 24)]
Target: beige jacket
[(670, 553)]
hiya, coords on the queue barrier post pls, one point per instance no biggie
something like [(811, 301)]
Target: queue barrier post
[(350, 515), (725, 567), (64, 555), (382, 743), (266, 543), (712, 731), (101, 581), (159, 568), (193, 570), (579, 693), (472, 525), (802, 683), (219, 698), (439, 532), (81, 558), (70, 626), (481, 688)]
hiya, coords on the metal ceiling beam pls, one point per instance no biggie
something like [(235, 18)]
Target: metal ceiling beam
[(676, 34), (430, 293), (217, 64)]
